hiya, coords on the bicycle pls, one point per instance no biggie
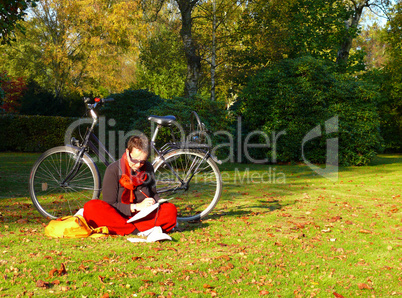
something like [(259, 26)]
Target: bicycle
[(64, 178)]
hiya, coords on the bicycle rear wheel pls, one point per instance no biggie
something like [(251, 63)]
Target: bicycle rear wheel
[(202, 176), (49, 195)]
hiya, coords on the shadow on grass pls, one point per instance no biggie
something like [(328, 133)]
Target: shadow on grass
[(264, 207), (386, 160)]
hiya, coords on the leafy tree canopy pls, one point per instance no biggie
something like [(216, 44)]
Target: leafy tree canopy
[(83, 46), (12, 11)]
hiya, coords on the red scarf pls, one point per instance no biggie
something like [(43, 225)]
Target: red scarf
[(128, 181)]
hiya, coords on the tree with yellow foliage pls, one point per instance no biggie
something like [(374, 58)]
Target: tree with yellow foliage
[(80, 46)]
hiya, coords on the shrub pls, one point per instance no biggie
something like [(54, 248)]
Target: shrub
[(212, 113), (11, 92), (32, 133), (296, 95), (3, 78), (130, 109), (389, 107)]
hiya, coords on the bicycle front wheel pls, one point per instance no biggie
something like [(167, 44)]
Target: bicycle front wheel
[(51, 194), (192, 178)]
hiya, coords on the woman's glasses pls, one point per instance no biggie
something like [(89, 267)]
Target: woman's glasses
[(135, 161)]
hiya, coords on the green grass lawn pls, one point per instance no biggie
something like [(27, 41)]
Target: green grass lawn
[(278, 231)]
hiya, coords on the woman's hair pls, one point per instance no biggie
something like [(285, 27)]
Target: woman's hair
[(138, 142)]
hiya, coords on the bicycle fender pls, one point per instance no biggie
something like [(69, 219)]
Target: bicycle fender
[(215, 159)]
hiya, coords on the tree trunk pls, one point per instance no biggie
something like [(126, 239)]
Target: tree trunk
[(351, 26), (193, 60)]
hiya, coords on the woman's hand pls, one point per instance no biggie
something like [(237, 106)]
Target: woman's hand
[(144, 204)]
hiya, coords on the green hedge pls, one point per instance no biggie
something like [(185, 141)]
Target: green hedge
[(32, 133)]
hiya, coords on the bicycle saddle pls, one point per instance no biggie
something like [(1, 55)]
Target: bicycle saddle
[(163, 120)]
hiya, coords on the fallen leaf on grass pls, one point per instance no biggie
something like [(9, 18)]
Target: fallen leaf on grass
[(364, 287), (82, 267), (168, 282), (58, 272), (263, 292), (335, 219), (286, 215), (226, 268), (226, 258), (363, 231), (301, 225), (206, 286), (52, 272), (62, 270), (42, 284), (195, 291), (338, 295)]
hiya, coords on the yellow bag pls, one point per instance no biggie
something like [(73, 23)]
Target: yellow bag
[(73, 227)]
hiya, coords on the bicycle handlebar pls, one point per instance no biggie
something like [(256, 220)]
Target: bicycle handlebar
[(98, 101), (103, 100)]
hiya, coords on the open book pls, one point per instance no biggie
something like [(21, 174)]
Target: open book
[(144, 212)]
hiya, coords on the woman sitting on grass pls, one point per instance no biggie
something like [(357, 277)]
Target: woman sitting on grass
[(129, 187)]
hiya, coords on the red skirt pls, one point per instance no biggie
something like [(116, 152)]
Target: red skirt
[(98, 213)]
